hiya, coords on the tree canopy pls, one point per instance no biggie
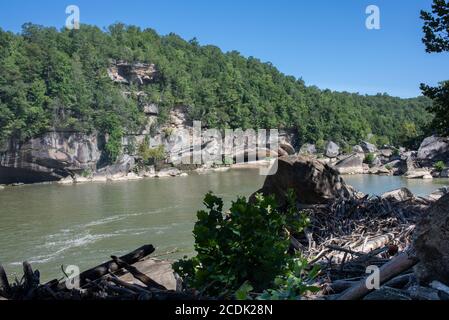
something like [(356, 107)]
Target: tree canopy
[(57, 80)]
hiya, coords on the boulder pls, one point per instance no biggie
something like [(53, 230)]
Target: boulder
[(168, 172), (431, 243), (436, 195), (387, 153), (401, 194), (434, 148), (368, 147), (121, 168), (418, 174), (49, 157), (288, 148), (357, 149), (151, 109), (312, 181), (351, 165), (308, 149), (332, 150)]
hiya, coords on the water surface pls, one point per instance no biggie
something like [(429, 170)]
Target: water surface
[(53, 225)]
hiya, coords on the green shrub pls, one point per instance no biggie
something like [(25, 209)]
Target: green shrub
[(396, 152), (168, 132), (439, 166), (248, 245), (369, 158), (113, 147), (151, 154)]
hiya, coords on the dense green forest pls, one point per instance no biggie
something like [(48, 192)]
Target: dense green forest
[(52, 79)]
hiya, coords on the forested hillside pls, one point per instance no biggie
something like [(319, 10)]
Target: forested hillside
[(52, 79)]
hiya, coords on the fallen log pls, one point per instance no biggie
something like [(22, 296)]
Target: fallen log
[(394, 267), (110, 266), (137, 274)]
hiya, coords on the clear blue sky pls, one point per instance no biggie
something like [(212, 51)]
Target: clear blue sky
[(324, 42)]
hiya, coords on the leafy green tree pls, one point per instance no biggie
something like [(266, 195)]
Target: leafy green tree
[(436, 39)]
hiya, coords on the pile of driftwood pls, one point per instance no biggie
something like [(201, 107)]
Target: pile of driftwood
[(346, 237), (99, 283)]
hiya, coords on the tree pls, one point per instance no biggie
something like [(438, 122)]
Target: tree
[(436, 39)]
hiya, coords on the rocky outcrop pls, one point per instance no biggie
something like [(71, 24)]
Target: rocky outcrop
[(351, 165), (312, 182), (368, 147), (431, 243), (49, 157), (402, 194), (332, 150), (357, 149), (132, 73), (434, 149)]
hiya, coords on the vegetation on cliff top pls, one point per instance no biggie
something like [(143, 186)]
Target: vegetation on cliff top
[(52, 79)]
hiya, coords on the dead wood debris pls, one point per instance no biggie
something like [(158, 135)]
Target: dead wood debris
[(346, 237), (99, 283)]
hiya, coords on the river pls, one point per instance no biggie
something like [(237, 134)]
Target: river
[(52, 225)]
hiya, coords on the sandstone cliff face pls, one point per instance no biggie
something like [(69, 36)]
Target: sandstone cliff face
[(132, 73), (50, 157)]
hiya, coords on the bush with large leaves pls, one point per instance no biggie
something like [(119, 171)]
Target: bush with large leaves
[(247, 245)]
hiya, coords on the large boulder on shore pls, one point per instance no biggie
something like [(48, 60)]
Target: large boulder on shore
[(401, 194), (332, 150), (434, 148), (431, 243), (312, 181), (351, 165)]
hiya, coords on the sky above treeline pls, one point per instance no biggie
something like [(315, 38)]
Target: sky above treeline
[(326, 43)]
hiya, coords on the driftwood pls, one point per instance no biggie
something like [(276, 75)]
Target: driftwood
[(109, 266), (396, 266), (137, 274)]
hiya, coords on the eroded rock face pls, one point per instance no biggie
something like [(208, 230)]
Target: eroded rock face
[(434, 148), (50, 157), (312, 181), (132, 73), (431, 243)]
